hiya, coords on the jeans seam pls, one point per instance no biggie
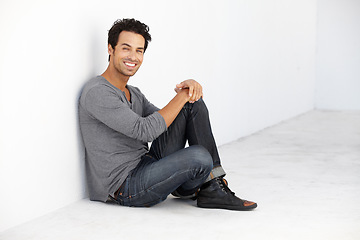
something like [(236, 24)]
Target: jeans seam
[(153, 186)]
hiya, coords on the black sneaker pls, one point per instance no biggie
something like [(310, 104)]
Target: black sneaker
[(216, 194)]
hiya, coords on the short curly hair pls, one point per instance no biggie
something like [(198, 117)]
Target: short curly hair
[(130, 25)]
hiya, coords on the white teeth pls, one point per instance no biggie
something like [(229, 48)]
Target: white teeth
[(130, 64)]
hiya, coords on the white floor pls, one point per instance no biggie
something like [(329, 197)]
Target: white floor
[(304, 174)]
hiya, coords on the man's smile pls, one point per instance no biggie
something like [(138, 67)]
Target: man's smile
[(129, 64)]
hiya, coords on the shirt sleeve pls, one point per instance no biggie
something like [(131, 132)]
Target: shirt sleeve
[(148, 107), (104, 104)]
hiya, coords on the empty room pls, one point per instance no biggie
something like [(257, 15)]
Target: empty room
[(260, 97)]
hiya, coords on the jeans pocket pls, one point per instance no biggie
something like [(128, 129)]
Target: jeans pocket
[(123, 195)]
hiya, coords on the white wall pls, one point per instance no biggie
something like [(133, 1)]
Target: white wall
[(255, 59), (338, 55)]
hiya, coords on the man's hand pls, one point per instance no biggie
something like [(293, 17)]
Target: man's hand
[(195, 89), (187, 91)]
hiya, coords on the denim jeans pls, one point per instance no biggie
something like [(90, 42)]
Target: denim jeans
[(169, 166)]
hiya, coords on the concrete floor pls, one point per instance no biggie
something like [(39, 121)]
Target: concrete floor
[(303, 173)]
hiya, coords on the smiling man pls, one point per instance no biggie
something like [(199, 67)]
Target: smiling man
[(117, 122)]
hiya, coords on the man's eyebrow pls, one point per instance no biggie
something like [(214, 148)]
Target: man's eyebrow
[(128, 45)]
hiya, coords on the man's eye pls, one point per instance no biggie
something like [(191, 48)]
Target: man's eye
[(140, 51), (126, 49)]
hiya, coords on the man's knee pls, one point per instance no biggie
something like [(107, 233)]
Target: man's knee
[(200, 156), (200, 103), (200, 106)]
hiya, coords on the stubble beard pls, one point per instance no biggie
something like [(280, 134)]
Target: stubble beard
[(123, 72)]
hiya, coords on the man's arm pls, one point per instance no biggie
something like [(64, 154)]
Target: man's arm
[(172, 109), (102, 103), (188, 90)]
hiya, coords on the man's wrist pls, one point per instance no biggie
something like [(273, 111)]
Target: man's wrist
[(184, 96)]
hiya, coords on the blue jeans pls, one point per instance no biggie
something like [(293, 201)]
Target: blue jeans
[(169, 166)]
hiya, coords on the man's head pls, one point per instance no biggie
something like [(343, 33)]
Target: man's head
[(129, 25), (127, 42)]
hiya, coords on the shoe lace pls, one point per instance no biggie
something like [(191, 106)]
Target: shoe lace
[(224, 186)]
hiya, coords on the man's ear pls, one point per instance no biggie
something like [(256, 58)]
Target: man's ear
[(110, 49)]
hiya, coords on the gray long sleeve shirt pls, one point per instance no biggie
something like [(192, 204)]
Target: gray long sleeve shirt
[(115, 132)]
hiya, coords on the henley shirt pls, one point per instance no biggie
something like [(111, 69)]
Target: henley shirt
[(115, 133)]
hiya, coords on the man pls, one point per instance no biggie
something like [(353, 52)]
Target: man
[(117, 122)]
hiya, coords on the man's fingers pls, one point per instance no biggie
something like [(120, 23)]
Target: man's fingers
[(198, 92), (191, 91), (180, 85)]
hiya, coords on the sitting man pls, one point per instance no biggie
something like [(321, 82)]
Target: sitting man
[(117, 122)]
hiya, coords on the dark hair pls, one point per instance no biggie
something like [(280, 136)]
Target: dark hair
[(130, 25)]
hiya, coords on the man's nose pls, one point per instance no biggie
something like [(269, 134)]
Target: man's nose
[(132, 56)]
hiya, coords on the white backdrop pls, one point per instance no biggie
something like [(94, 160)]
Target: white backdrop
[(338, 58), (255, 60)]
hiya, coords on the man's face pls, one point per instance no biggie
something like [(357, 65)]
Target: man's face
[(128, 54)]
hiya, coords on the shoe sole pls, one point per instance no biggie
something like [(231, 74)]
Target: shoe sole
[(217, 206)]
